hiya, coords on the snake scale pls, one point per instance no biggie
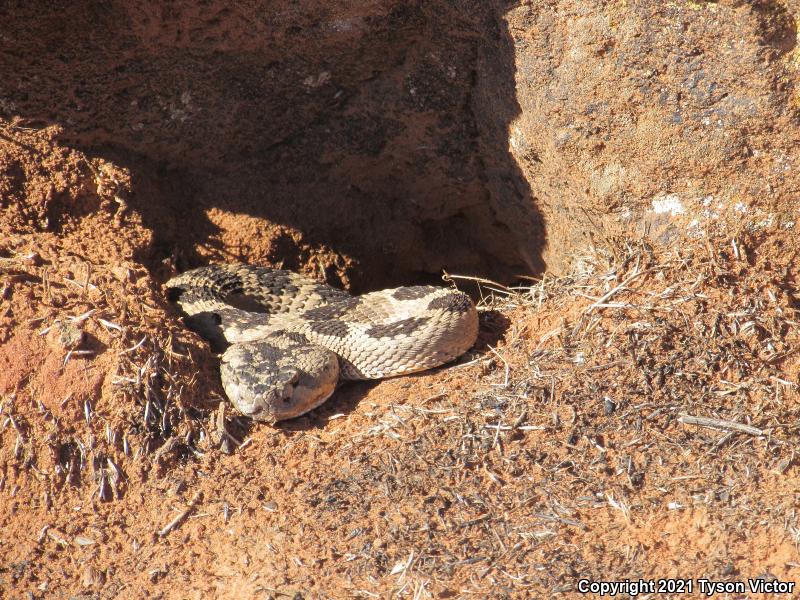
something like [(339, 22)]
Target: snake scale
[(291, 339)]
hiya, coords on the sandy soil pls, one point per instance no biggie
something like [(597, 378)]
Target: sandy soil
[(366, 144)]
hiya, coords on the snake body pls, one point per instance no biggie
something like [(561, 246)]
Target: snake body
[(291, 339)]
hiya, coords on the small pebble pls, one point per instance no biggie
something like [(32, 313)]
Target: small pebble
[(65, 335)]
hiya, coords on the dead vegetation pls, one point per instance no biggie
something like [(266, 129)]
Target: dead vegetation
[(667, 385), (123, 377), (637, 419)]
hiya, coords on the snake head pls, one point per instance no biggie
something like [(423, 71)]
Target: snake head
[(276, 379)]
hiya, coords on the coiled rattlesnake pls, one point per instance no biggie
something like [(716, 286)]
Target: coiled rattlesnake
[(291, 339)]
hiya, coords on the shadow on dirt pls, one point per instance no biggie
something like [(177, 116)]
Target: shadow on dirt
[(373, 143)]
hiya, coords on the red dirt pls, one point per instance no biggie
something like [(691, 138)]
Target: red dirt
[(379, 143)]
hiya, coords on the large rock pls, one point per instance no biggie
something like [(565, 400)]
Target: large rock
[(381, 142), (631, 108)]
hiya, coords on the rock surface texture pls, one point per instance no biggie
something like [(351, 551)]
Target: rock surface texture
[(377, 142)]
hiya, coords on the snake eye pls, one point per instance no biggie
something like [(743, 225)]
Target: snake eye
[(288, 389)]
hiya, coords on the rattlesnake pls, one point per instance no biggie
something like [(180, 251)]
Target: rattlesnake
[(291, 339)]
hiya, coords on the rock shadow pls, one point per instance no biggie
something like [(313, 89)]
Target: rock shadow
[(367, 142)]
